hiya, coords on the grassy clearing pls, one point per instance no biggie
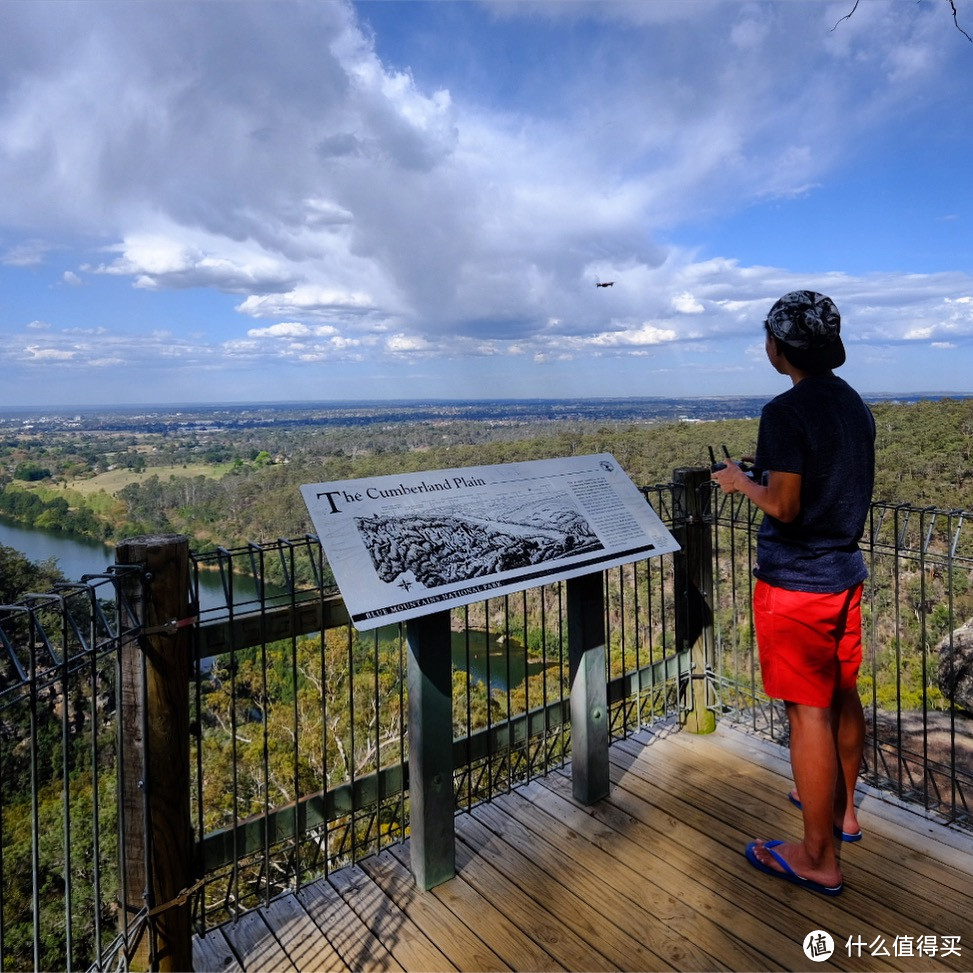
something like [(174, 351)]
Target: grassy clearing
[(114, 480)]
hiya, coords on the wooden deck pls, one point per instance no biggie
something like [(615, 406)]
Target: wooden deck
[(651, 878)]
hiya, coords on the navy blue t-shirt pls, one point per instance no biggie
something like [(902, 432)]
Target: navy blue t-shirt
[(821, 429)]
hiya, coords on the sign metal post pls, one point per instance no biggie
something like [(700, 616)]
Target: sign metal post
[(409, 547)]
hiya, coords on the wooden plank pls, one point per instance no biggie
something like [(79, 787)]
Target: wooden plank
[(546, 883), (638, 861), (252, 938), (305, 942), (880, 856), (272, 624), (699, 839), (685, 791), (516, 949), (462, 948), (555, 885), (760, 916), (350, 938), (486, 864), (906, 892), (921, 829), (623, 898), (398, 933), (213, 954)]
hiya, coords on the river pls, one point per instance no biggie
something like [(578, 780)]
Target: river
[(74, 555), (487, 658), (77, 556)]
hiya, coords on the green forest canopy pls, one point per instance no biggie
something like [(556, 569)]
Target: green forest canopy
[(923, 458)]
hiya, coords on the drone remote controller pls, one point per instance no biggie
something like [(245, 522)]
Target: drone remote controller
[(716, 465)]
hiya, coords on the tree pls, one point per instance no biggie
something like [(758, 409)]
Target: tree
[(952, 6), (31, 472), (18, 575)]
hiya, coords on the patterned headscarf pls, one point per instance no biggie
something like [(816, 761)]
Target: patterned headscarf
[(809, 325), (805, 319)]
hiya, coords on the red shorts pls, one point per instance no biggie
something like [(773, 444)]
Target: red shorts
[(810, 643)]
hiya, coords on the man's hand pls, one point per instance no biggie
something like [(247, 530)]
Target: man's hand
[(780, 496), (731, 478)]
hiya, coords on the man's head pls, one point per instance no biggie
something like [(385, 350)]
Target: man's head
[(807, 327)]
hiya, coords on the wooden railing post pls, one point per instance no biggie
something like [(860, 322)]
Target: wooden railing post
[(432, 807), (589, 687), (693, 569), (157, 844)]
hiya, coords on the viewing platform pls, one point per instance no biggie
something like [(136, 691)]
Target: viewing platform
[(238, 787), (652, 877)]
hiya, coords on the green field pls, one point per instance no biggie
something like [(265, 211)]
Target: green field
[(98, 493), (115, 480)]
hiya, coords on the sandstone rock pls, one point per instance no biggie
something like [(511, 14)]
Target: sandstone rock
[(956, 667)]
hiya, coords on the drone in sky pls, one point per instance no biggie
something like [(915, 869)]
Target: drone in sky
[(604, 283)]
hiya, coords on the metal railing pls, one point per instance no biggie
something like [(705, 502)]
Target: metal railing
[(917, 599), (326, 705), (59, 750), (298, 761)]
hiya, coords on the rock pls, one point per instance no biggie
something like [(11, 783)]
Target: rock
[(956, 667)]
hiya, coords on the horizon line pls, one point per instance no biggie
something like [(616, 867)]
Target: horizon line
[(312, 403)]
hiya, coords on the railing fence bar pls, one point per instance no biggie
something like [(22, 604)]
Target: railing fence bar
[(251, 661)]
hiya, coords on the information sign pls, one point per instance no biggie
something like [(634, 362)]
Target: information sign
[(410, 544)]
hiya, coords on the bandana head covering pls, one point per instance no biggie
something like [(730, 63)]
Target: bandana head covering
[(809, 325)]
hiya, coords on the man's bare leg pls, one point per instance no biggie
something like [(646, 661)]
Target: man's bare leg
[(814, 761), (848, 719)]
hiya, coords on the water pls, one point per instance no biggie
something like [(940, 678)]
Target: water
[(75, 556), (78, 556), (493, 660)]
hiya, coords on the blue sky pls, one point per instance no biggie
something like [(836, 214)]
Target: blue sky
[(266, 201)]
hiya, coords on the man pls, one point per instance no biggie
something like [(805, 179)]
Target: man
[(816, 446)]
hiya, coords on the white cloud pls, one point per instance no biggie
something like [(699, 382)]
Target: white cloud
[(307, 300), (400, 343), (56, 354), (286, 330), (168, 260), (29, 253), (313, 179), (644, 334), (686, 303), (451, 202)]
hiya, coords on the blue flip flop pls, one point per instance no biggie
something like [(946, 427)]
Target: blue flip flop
[(788, 874), (838, 833)]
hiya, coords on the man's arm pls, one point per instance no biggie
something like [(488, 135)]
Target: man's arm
[(781, 497)]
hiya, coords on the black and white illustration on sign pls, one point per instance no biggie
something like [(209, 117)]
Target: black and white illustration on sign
[(403, 546), (460, 541)]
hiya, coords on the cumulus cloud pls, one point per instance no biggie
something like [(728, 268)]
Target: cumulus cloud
[(169, 260), (360, 207), (686, 303), (285, 330), (308, 300), (39, 353), (310, 166)]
